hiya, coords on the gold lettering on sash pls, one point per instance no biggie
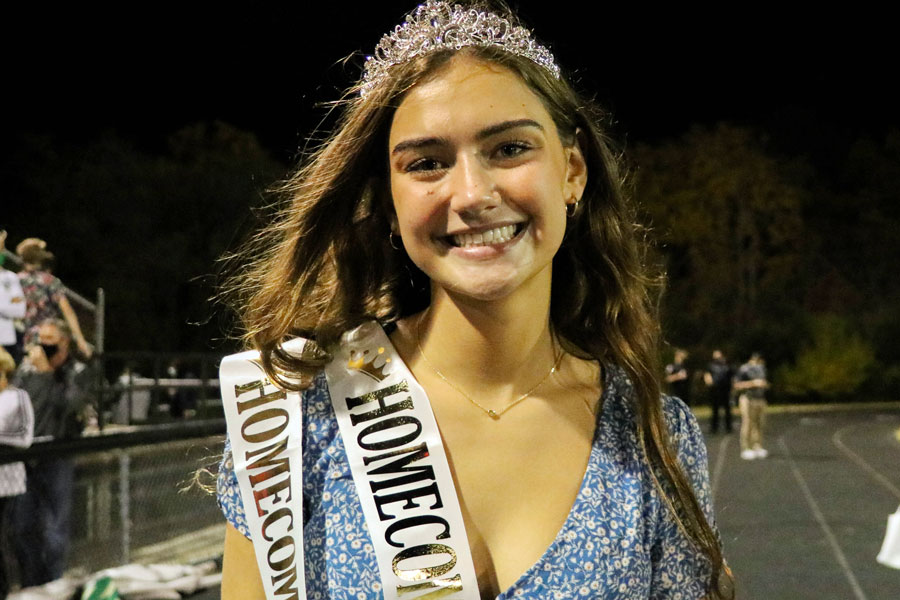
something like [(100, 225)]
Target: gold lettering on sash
[(378, 396), (410, 522), (260, 400), (286, 587), (281, 513), (275, 466), (261, 417), (408, 495), (415, 473), (386, 425), (284, 563), (420, 573), (445, 587)]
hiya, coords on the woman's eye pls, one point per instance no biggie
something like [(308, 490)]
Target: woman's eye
[(424, 164), (512, 149)]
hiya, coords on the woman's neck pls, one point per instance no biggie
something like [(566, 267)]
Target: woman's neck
[(499, 348)]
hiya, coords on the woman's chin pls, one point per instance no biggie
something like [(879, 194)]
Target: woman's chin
[(491, 287)]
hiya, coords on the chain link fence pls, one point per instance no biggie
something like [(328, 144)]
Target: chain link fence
[(143, 504), (139, 496)]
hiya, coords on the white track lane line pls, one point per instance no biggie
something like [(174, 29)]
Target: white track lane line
[(823, 524), (719, 467), (861, 462)]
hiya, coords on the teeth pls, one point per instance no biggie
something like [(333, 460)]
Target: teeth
[(497, 235)]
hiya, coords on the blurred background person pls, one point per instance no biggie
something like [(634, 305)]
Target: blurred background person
[(58, 385), (677, 377), (751, 384), (45, 296), (134, 404), (717, 378), (12, 307), (16, 429)]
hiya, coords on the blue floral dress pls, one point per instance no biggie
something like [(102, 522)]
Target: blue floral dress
[(619, 541)]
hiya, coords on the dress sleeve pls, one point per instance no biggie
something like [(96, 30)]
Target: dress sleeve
[(228, 493), (680, 571)]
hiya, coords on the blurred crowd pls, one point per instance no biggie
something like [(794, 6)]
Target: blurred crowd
[(45, 379)]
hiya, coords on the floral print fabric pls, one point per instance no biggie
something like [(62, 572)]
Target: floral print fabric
[(42, 294), (619, 541)]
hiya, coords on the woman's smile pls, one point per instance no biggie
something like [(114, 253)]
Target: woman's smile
[(493, 236)]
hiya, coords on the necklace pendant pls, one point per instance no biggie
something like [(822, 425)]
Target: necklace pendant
[(493, 414)]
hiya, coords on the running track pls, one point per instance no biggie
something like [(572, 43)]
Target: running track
[(807, 522)]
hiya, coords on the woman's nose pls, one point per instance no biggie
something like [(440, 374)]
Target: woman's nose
[(474, 187)]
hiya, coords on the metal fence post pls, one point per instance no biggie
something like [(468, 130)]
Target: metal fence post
[(100, 321), (125, 504)]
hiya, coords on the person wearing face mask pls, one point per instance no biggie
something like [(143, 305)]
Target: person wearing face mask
[(58, 385)]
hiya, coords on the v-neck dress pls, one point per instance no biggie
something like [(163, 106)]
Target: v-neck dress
[(620, 540)]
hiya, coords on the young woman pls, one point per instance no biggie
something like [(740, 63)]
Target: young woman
[(468, 202)]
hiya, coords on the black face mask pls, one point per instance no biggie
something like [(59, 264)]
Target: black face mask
[(50, 350)]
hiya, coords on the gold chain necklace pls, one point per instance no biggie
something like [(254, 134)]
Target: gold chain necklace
[(494, 414)]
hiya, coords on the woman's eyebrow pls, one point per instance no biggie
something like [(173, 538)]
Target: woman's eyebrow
[(417, 143), (506, 125)]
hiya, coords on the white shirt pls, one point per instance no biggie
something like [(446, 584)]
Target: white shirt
[(12, 306), (16, 429)]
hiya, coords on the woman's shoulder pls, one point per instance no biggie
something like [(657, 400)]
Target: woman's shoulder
[(42, 278), (683, 425), (619, 417), (619, 391)]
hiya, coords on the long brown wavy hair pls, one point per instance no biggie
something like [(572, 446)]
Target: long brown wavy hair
[(325, 264)]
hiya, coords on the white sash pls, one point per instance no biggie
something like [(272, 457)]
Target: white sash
[(400, 471), (265, 427), (395, 454)]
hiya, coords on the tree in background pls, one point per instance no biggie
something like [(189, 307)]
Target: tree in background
[(728, 220), (835, 363), (784, 256), (146, 224)]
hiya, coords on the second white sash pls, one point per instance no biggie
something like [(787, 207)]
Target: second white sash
[(400, 470)]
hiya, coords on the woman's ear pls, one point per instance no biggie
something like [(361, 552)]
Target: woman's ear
[(576, 171), (377, 197)]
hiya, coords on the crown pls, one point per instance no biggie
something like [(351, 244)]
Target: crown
[(359, 363), (438, 25)]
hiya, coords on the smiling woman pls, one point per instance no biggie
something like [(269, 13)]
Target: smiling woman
[(477, 398)]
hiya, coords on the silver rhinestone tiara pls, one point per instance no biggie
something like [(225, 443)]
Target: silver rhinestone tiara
[(438, 25)]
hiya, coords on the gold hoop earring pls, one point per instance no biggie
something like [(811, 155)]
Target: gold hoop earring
[(571, 208), (391, 240)]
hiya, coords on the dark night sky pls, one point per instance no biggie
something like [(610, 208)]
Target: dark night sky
[(146, 73)]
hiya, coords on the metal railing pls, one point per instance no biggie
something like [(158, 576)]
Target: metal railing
[(154, 387)]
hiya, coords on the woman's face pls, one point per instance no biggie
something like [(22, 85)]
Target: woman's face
[(480, 180)]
